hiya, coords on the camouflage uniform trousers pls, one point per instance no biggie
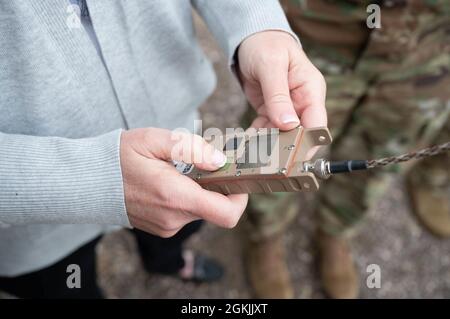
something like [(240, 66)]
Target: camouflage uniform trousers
[(388, 93)]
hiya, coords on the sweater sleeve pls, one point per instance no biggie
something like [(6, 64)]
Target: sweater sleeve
[(52, 180), (231, 21)]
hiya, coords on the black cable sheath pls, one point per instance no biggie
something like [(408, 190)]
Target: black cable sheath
[(347, 166)]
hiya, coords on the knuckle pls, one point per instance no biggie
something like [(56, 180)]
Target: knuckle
[(279, 98), (167, 234), (182, 146), (167, 226), (170, 225)]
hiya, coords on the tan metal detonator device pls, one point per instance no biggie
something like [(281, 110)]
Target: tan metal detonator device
[(281, 169)]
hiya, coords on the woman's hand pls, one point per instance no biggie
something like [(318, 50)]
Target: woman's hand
[(160, 200), (280, 82)]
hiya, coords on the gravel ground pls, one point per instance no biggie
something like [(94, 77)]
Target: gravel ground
[(413, 263)]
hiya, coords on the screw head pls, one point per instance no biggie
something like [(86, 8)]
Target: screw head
[(322, 138), (282, 171), (291, 147), (238, 173)]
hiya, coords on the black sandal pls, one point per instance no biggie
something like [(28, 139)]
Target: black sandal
[(205, 270)]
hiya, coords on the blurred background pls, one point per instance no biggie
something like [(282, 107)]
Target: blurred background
[(413, 263)]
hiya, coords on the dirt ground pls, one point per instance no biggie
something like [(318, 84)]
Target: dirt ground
[(413, 263)]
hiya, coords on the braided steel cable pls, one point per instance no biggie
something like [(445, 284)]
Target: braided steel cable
[(323, 169), (426, 152)]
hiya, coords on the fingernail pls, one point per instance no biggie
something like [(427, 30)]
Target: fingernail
[(288, 119), (219, 159)]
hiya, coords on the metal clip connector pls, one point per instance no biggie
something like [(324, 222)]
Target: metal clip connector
[(320, 168)]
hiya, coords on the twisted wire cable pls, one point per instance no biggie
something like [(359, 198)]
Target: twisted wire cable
[(426, 152)]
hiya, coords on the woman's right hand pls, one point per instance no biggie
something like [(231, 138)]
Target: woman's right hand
[(159, 199)]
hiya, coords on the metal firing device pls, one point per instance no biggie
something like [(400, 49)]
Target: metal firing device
[(280, 167), (266, 161)]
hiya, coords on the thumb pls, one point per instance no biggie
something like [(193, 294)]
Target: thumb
[(193, 149), (273, 79), (175, 146)]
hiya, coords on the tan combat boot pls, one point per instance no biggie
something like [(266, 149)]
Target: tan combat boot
[(432, 207), (265, 263), (337, 269)]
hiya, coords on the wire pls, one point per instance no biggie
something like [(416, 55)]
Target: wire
[(324, 169), (426, 152)]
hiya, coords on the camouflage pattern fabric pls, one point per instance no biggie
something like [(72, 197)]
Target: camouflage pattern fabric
[(388, 93)]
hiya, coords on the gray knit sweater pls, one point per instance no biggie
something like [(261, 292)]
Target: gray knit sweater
[(62, 109)]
